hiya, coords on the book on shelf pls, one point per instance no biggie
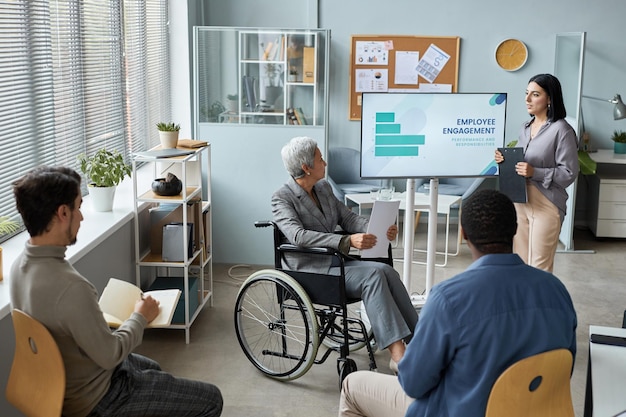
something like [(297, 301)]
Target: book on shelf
[(291, 115), (118, 299), (300, 116)]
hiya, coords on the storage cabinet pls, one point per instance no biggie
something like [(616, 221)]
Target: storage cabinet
[(262, 76), (607, 215), (178, 251)]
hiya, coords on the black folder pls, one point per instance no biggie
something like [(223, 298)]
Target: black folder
[(511, 184)]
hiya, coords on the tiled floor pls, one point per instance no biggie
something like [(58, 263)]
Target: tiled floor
[(595, 281)]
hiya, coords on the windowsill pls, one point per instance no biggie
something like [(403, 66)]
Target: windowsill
[(94, 229)]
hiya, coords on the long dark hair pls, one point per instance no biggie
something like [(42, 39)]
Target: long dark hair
[(552, 86)]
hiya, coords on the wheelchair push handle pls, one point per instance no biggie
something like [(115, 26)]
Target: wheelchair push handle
[(263, 223)]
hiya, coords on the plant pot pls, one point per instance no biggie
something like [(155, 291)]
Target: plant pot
[(272, 93), (232, 106), (169, 140), (619, 147), (102, 198)]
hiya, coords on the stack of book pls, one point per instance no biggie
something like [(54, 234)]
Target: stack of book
[(296, 116)]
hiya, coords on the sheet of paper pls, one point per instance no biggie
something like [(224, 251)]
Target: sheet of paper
[(372, 80), (432, 63), (372, 53), (435, 88), (406, 62), (384, 214)]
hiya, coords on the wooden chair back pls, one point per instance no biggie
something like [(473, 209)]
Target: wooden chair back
[(36, 384), (537, 386)]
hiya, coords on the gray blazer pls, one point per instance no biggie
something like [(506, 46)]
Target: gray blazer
[(302, 222)]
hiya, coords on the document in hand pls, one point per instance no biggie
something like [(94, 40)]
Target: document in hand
[(383, 215), (118, 299)]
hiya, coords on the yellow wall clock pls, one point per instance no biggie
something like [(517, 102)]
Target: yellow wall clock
[(511, 54)]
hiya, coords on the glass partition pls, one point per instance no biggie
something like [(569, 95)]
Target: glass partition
[(260, 76)]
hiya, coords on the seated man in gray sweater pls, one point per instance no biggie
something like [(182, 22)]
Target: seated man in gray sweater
[(104, 377)]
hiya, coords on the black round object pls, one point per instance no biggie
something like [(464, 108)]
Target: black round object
[(169, 186)]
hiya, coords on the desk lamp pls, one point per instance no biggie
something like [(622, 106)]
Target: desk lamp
[(619, 111)]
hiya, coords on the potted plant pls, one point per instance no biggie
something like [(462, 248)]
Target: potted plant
[(7, 226), (168, 134), (232, 103), (104, 171), (619, 139), (293, 74)]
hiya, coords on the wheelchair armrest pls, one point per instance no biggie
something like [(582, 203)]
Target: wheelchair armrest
[(288, 247), (263, 223)]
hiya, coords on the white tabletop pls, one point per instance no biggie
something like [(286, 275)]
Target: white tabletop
[(421, 202), (608, 371), (607, 156)]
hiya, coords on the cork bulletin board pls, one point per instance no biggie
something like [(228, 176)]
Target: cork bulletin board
[(397, 63)]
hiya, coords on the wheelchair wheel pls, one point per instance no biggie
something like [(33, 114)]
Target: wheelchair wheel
[(334, 338), (344, 368), (276, 325)]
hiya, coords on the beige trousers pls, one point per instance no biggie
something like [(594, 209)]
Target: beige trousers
[(538, 228), (371, 394)]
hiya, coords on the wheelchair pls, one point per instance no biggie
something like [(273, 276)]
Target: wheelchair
[(282, 316)]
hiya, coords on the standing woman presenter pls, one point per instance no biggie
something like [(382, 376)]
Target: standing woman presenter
[(550, 165)]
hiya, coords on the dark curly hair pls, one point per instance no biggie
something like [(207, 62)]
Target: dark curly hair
[(40, 192), (489, 221)]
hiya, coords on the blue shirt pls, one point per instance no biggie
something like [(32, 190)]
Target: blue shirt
[(475, 325)]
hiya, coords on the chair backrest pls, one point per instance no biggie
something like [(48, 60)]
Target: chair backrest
[(36, 384), (537, 386)]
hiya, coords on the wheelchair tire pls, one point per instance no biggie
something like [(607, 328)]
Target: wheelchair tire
[(334, 338), (276, 325), (344, 368)]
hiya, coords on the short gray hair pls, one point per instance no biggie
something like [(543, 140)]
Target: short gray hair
[(298, 151)]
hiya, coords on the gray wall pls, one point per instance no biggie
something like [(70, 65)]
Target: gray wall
[(481, 24)]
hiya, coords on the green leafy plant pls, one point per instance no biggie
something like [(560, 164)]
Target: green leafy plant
[(168, 127), (8, 226), (104, 168), (233, 97), (213, 111), (619, 136)]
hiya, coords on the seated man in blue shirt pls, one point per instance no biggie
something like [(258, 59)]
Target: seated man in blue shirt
[(472, 327)]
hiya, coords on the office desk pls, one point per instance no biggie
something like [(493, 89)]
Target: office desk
[(421, 204), (606, 373)]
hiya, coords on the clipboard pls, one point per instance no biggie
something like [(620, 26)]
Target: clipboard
[(511, 184)]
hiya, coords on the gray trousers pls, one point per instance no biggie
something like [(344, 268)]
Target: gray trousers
[(139, 388), (386, 300)]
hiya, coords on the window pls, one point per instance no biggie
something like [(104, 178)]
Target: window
[(76, 76)]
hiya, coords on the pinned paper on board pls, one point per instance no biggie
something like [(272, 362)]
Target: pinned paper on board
[(406, 62), (372, 53), (372, 80), (432, 63)]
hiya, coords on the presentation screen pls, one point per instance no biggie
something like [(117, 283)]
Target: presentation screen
[(431, 135)]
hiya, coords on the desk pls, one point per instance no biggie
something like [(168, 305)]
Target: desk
[(421, 204), (607, 211), (605, 375)]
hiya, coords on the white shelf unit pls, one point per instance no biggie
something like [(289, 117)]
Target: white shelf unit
[(267, 89), (197, 271)]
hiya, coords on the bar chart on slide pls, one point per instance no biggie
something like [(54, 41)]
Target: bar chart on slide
[(389, 140)]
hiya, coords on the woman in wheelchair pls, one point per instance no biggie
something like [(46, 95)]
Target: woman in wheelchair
[(307, 213)]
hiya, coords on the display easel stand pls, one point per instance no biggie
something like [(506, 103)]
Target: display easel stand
[(418, 300)]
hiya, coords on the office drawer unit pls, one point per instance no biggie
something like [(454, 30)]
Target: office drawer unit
[(607, 215)]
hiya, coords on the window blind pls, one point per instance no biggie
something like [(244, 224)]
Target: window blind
[(76, 76)]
